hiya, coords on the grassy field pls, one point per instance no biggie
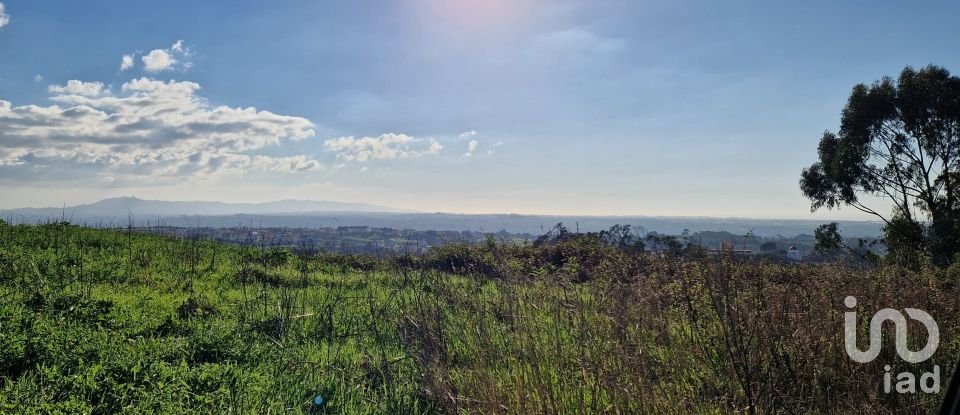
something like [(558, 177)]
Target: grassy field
[(97, 321)]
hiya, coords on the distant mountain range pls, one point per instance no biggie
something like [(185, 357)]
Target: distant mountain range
[(123, 207), (317, 214)]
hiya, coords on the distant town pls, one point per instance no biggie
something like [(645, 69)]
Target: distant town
[(342, 239), (391, 241)]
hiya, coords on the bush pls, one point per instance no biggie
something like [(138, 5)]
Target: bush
[(574, 257), (463, 258)]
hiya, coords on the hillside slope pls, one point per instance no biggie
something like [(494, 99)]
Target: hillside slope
[(96, 321)]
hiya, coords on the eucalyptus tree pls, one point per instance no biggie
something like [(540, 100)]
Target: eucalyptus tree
[(899, 142)]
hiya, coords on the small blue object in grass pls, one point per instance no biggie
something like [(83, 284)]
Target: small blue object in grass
[(318, 400)]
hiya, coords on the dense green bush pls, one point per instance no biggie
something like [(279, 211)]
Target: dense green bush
[(575, 257)]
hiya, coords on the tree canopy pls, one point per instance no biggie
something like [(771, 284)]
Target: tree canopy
[(899, 140)]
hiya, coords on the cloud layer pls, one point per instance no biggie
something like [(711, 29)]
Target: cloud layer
[(384, 147), (150, 131), (146, 128)]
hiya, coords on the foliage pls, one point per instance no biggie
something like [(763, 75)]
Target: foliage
[(899, 140), (562, 254)]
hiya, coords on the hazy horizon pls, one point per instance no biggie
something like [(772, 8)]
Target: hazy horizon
[(399, 210)]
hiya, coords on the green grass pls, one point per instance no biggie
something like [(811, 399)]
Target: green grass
[(153, 325), (97, 321)]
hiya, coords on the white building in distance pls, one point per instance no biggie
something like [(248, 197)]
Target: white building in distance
[(794, 254)]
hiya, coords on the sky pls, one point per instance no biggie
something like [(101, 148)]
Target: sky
[(619, 107)]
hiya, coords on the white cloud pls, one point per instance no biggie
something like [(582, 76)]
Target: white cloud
[(434, 148), (384, 147), (126, 62), (282, 164), (471, 147), (175, 57), (158, 60), (4, 17), (146, 129), (38, 78), (78, 88), (468, 134)]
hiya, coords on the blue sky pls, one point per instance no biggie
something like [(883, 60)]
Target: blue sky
[(527, 106)]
